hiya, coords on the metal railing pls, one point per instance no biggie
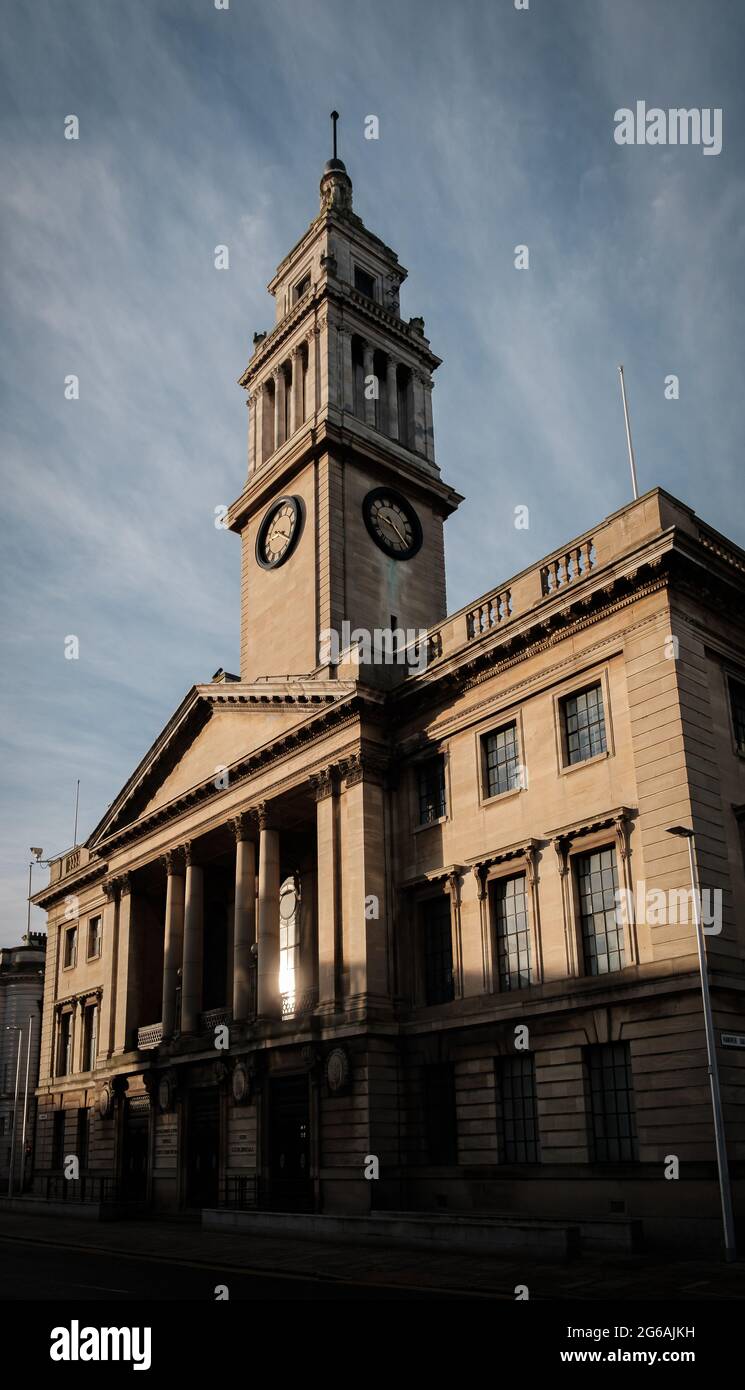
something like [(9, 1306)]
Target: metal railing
[(53, 1186)]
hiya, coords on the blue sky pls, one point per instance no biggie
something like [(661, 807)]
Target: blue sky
[(201, 127)]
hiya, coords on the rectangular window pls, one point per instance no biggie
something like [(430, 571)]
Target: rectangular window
[(516, 1107), (58, 1139), (600, 915), (512, 932), (81, 1137), (302, 287), (94, 937), (440, 1123), (439, 986), (611, 1096), (583, 725), (431, 789), (737, 704), (71, 946), (364, 283), (63, 1046), (90, 1030), (501, 760)]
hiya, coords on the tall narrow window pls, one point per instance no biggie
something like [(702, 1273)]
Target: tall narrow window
[(611, 1096), (583, 725), (431, 789), (94, 937), (737, 703), (71, 947), (437, 950), (90, 1030), (58, 1139), (403, 390), (289, 944), (501, 760), (440, 1121), (64, 1057), (512, 932), (82, 1136), (516, 1109), (358, 379), (380, 372), (602, 922)]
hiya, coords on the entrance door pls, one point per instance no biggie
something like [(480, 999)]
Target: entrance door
[(134, 1155), (203, 1148), (289, 1145)]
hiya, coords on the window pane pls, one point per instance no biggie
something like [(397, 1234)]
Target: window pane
[(516, 1100), (602, 926), (737, 698), (513, 936), (502, 760), (584, 725), (611, 1097), (431, 784)]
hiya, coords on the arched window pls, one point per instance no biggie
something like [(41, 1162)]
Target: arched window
[(380, 370), (403, 385), (289, 943), (358, 376)]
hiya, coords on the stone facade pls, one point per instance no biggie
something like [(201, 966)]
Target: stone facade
[(344, 941)]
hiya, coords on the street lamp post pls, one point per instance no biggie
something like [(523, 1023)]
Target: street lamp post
[(25, 1104), (725, 1191)]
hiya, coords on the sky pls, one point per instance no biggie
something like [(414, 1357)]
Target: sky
[(202, 126)]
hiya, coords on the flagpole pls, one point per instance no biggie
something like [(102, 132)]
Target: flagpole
[(632, 462)]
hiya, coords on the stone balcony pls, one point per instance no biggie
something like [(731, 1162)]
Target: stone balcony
[(612, 547)]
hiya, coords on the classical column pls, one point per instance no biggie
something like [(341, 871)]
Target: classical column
[(280, 387), (368, 371), (362, 821), (191, 974), (252, 399), (327, 850), (392, 385), (311, 376), (174, 936), (244, 921), (108, 966), (268, 1002), (296, 398), (126, 969)]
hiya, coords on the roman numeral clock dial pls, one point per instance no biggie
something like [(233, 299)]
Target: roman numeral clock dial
[(278, 532), (392, 523)]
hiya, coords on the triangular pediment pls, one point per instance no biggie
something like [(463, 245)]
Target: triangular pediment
[(217, 726)]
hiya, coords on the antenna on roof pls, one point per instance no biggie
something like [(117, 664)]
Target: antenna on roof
[(334, 119), (632, 462)]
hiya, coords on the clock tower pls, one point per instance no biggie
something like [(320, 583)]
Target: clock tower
[(341, 518)]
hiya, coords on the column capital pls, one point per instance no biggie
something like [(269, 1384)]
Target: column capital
[(191, 854), (124, 884), (479, 873), (110, 889), (263, 813), (173, 861), (278, 372), (241, 824), (297, 349), (324, 783)]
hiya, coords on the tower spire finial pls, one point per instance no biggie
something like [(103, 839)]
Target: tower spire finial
[(334, 119)]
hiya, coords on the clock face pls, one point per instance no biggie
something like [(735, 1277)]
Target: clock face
[(392, 523), (278, 532)]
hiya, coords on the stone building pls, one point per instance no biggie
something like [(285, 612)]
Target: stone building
[(21, 993), (360, 903)]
